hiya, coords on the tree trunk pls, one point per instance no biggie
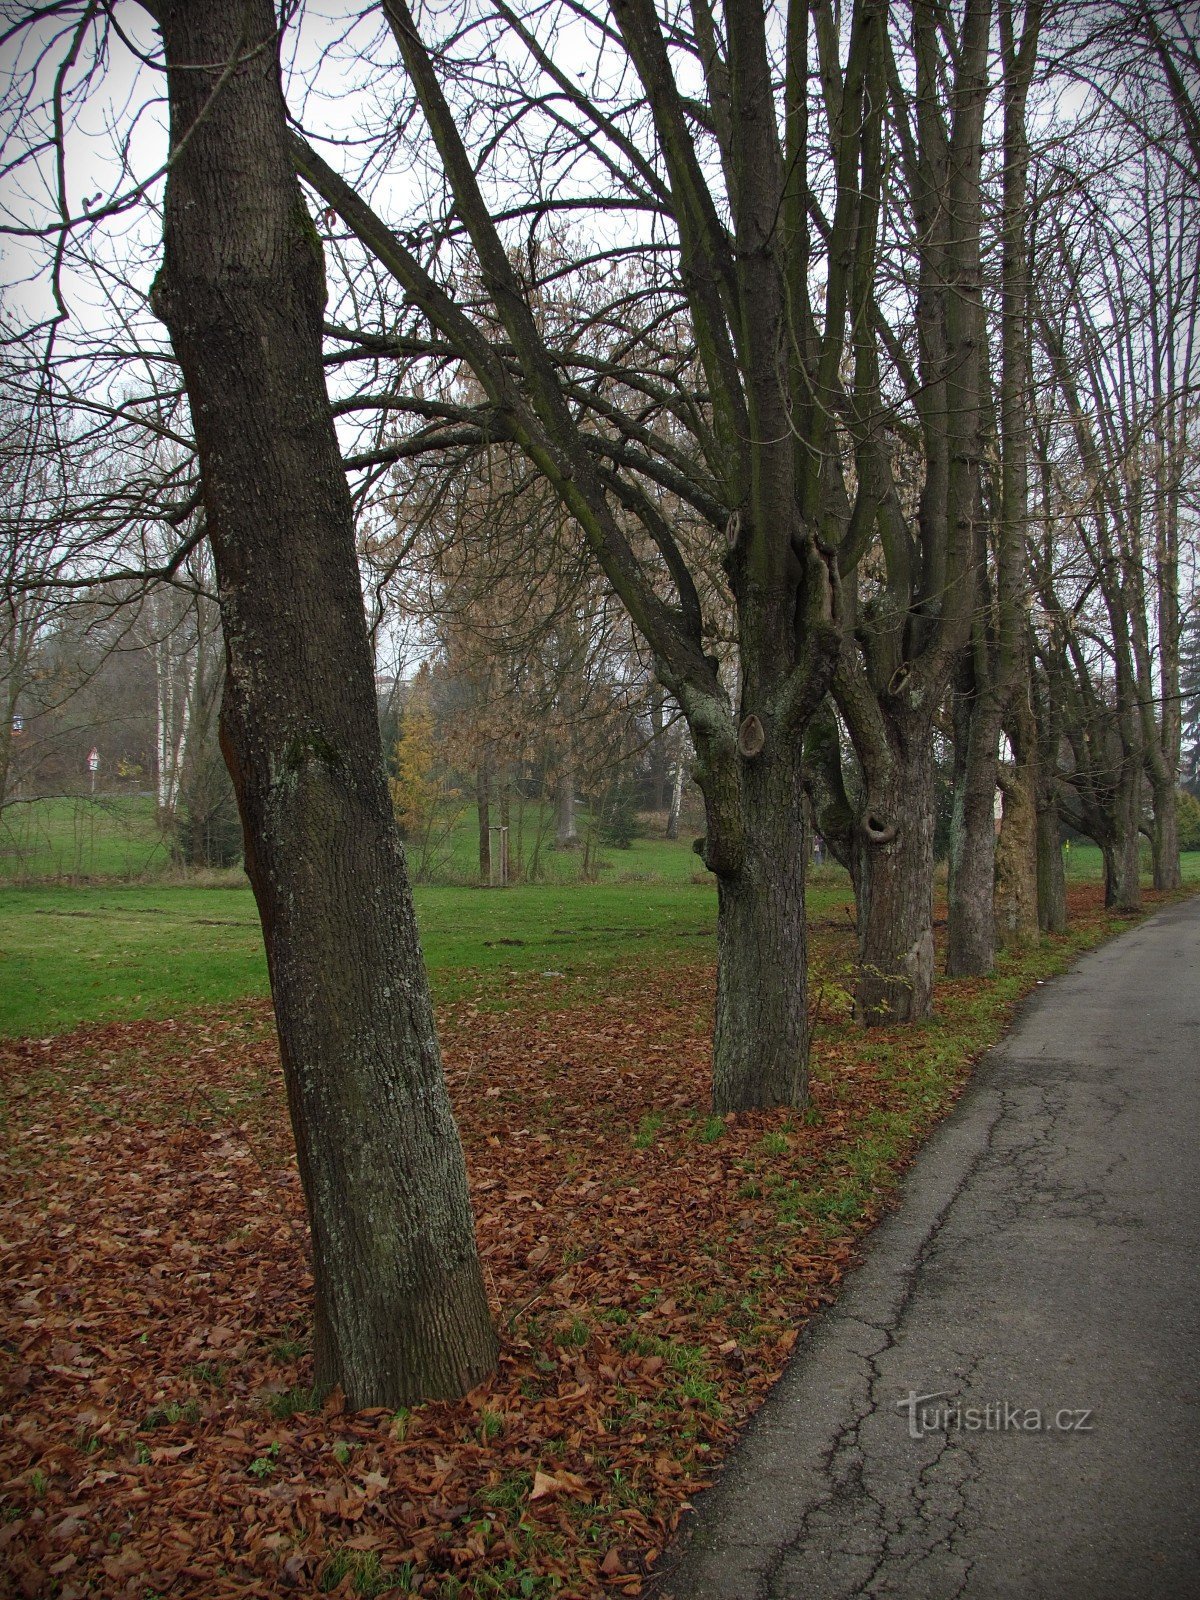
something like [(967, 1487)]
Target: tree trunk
[(760, 1043), (483, 795), (566, 834), (835, 818), (895, 917), (676, 802), (1122, 856), (1051, 879), (971, 931), (1014, 902), (1016, 896), (1048, 693), (7, 713), (401, 1314), (1017, 921), (1165, 838)]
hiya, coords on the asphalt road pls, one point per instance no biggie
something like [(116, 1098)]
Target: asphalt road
[(1045, 1259)]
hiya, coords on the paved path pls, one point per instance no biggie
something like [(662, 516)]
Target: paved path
[(1046, 1255)]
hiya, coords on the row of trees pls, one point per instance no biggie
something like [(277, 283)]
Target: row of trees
[(842, 357)]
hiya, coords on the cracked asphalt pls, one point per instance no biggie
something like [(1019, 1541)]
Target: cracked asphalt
[(1045, 1257)]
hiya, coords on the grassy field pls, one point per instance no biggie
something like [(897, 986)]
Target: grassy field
[(106, 954), (75, 838), (81, 836), (448, 852), (112, 951)]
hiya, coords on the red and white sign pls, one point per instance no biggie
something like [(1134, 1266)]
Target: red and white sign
[(93, 759)]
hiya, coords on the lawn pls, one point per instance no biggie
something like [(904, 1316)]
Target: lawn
[(113, 951), (108, 949), (105, 954), (99, 954), (81, 837), (84, 838), (1084, 863), (450, 851)]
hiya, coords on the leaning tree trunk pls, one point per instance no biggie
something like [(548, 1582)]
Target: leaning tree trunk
[(760, 1042), (895, 883), (401, 1314)]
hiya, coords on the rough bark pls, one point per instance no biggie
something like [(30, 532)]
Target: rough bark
[(908, 633), (971, 931), (760, 1043), (1051, 878), (401, 1314), (1046, 705), (1122, 849), (895, 915), (1164, 837), (1016, 893), (825, 782), (998, 632)]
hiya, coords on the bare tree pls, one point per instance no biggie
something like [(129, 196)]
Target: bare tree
[(400, 1308), (783, 448), (1118, 329), (992, 688)]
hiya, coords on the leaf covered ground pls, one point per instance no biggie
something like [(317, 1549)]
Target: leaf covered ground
[(649, 1267)]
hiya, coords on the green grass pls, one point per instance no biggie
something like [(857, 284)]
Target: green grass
[(115, 951), (90, 955), (116, 836), (368, 1575), (78, 838), (1084, 863), (81, 836), (69, 956), (75, 955), (448, 853)]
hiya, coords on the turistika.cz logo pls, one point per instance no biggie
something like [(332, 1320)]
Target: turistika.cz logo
[(940, 1412)]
